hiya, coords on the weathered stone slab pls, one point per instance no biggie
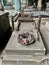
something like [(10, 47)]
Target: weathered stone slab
[(37, 13), (21, 60), (45, 35), (19, 63), (26, 26), (13, 47), (26, 60)]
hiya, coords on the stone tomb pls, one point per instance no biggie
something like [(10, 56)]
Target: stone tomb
[(14, 47), (18, 54)]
